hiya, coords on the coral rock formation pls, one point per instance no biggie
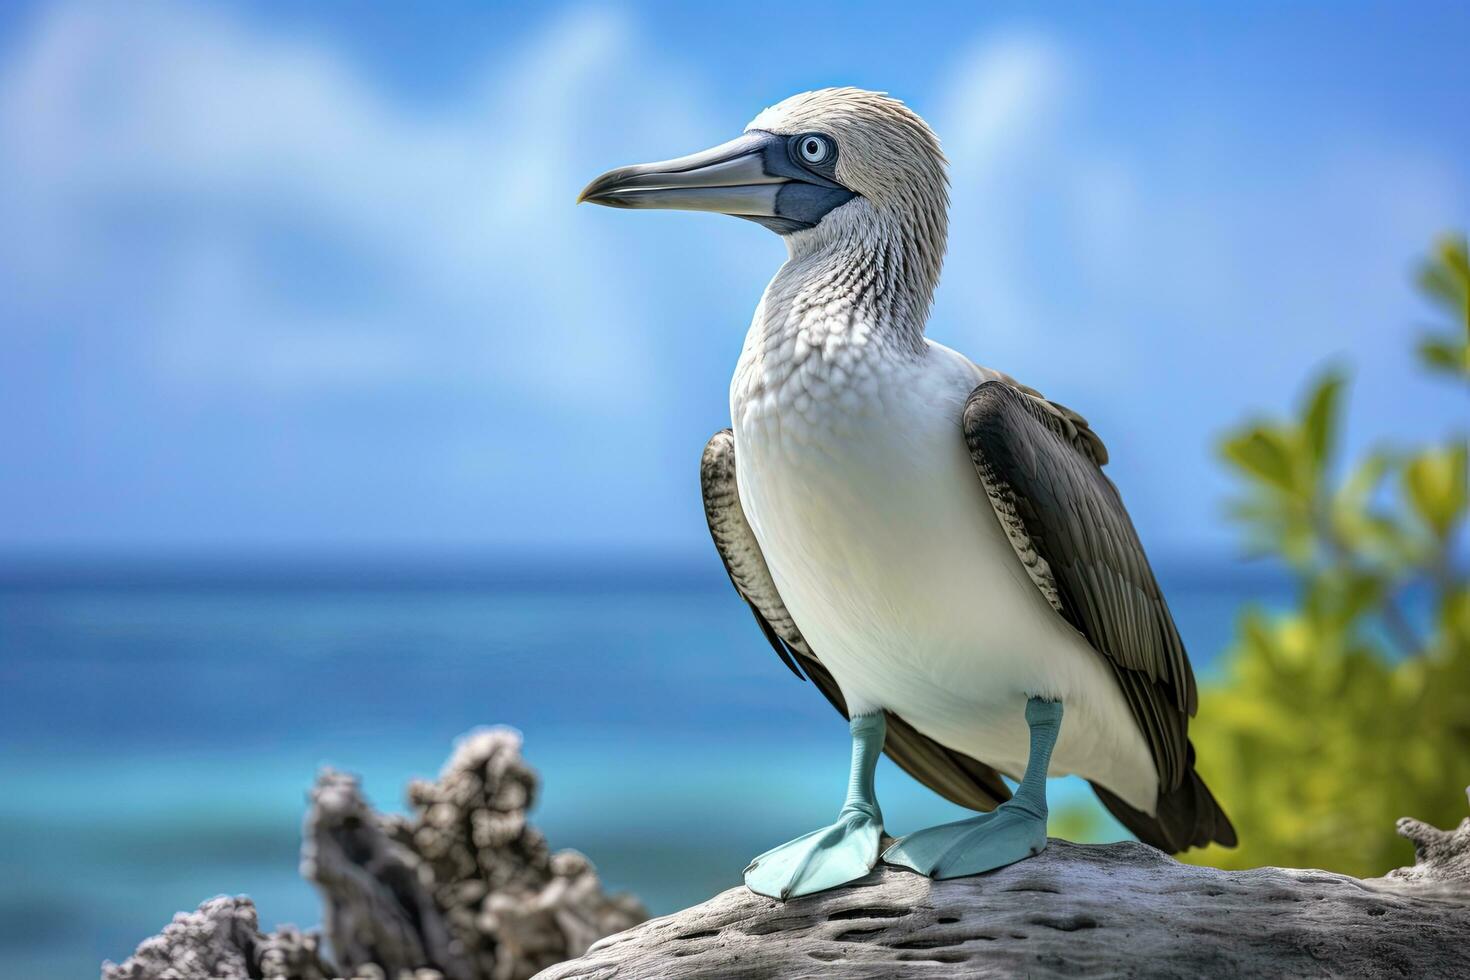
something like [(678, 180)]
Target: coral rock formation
[(464, 889), (222, 938)]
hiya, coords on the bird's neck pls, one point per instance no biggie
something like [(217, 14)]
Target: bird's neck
[(849, 293)]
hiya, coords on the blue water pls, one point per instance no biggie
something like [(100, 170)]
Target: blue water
[(159, 730)]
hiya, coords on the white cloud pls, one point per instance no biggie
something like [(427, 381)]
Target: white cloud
[(199, 153), (1001, 92), (1002, 96)]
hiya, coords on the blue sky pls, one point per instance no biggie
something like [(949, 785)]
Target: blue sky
[(280, 277)]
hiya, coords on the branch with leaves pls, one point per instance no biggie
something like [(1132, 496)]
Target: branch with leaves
[(1355, 703), (1445, 279)]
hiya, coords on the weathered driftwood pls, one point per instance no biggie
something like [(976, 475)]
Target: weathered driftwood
[(1110, 910), (464, 889)]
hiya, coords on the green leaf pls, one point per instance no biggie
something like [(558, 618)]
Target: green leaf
[(1454, 255), (1442, 354), (1319, 420), (1435, 484), (1265, 453), (1356, 522), (1445, 278), (1357, 490), (1445, 275)]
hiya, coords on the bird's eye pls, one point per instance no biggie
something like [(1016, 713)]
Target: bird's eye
[(815, 149)]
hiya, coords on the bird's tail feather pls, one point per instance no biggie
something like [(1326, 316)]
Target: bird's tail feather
[(1188, 816)]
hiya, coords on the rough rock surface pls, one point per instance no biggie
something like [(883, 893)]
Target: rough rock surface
[(464, 889), (1441, 857), (1112, 910), (222, 938)]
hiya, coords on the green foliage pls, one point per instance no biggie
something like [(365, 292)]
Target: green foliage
[(1334, 718), (1445, 279)]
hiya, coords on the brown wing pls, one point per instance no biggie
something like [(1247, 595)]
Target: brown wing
[(953, 775)]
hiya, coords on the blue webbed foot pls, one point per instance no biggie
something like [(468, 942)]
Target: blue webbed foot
[(847, 849), (822, 859), (1011, 832), (968, 847)]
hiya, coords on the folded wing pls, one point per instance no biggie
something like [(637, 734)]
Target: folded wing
[(1041, 468)]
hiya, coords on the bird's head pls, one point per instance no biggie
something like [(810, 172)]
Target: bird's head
[(820, 166)]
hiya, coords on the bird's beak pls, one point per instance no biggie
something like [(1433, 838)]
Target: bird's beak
[(749, 177), (730, 178)]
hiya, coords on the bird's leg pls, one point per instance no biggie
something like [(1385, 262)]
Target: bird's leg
[(839, 853), (1012, 831)]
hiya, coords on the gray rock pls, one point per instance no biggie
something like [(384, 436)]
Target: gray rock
[(1112, 910), (222, 938), (463, 889), (466, 885), (377, 906)]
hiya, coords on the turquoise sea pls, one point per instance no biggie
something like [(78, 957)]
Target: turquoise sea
[(160, 726)]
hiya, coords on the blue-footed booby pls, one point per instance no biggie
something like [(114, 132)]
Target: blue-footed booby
[(932, 543)]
